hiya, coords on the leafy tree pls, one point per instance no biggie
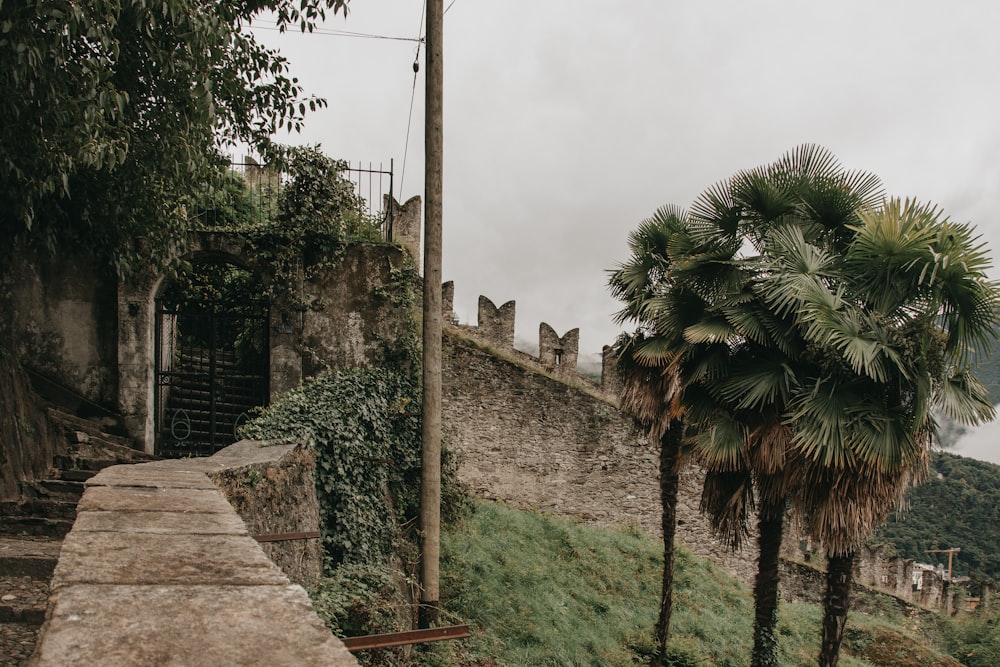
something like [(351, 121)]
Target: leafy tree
[(112, 114)]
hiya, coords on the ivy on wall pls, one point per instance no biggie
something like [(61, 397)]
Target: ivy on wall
[(365, 427)]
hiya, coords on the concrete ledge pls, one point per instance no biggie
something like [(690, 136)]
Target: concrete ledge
[(160, 570)]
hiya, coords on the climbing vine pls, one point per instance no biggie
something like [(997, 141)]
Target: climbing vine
[(298, 219), (364, 425)]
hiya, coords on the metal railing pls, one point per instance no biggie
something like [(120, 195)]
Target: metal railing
[(373, 185), (258, 203)]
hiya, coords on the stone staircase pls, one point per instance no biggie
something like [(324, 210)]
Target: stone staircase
[(32, 528), (26, 566)]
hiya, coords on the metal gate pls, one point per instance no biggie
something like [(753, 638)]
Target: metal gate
[(211, 371)]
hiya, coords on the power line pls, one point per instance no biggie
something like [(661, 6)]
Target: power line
[(413, 94), (343, 33)]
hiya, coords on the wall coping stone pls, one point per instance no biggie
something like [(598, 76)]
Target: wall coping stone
[(160, 570)]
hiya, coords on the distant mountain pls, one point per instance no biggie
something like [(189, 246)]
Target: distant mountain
[(959, 506)]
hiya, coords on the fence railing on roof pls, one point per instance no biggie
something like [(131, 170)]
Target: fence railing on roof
[(372, 184)]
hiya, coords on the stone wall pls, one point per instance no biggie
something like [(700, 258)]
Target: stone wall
[(406, 224), (28, 440), (159, 569), (534, 442), (64, 316), (496, 324), (556, 353), (273, 489), (350, 317)]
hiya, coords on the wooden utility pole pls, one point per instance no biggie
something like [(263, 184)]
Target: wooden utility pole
[(951, 554), (430, 476)]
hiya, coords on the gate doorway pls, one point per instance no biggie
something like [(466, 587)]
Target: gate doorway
[(211, 358)]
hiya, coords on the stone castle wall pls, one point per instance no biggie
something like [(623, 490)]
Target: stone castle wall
[(557, 355), (533, 442), (539, 440)]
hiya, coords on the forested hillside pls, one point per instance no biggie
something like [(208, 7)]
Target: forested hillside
[(958, 507)]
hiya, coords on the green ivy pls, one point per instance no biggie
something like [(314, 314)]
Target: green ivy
[(364, 425)]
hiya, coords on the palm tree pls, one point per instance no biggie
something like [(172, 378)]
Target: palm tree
[(744, 439), (810, 326), (651, 364), (891, 326)]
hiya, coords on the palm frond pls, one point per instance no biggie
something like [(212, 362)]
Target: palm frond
[(846, 505), (882, 439), (964, 399), (753, 384), (761, 198), (818, 419), (805, 162), (715, 212), (714, 329), (720, 445), (727, 499), (867, 188), (767, 452)]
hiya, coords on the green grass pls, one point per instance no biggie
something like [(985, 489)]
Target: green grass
[(541, 591)]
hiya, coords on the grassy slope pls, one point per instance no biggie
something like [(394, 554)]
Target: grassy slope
[(544, 591)]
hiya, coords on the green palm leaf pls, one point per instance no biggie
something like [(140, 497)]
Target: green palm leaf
[(755, 383), (964, 399), (720, 445)]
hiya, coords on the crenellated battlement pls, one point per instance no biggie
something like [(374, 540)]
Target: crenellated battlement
[(496, 324), (557, 355)]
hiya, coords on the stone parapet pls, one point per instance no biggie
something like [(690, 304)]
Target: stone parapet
[(160, 570)]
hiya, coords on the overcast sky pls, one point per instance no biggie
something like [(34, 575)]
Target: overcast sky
[(567, 122)]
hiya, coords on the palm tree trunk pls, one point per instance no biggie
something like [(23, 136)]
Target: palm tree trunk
[(770, 526), (670, 455), (839, 570)]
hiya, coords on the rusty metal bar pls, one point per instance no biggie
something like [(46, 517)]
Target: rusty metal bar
[(403, 638), (284, 537)]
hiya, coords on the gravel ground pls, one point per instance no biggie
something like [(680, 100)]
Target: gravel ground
[(17, 641), (22, 599)]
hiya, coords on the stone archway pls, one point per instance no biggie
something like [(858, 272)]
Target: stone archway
[(141, 330)]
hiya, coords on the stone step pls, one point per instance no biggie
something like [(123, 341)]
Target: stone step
[(71, 475), (96, 449), (53, 489), (23, 599), (34, 526), (34, 558), (188, 449), (73, 423), (67, 462), (17, 642), (57, 509)]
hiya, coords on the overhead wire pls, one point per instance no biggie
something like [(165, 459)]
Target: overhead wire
[(416, 65), (341, 33), (413, 95)]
